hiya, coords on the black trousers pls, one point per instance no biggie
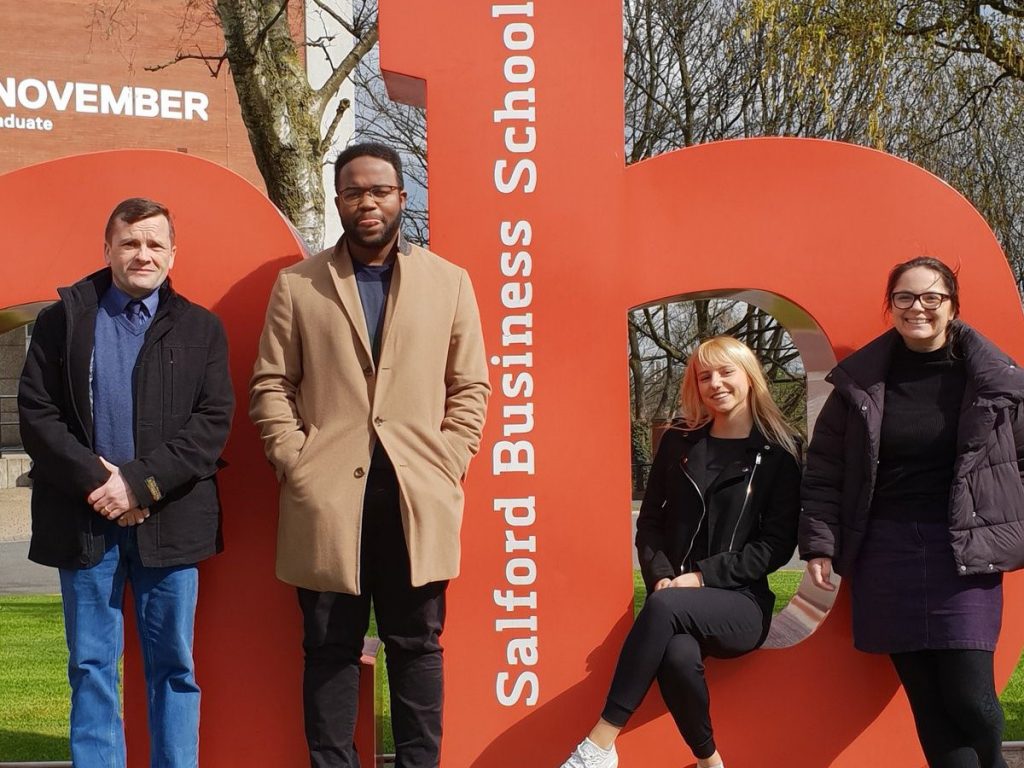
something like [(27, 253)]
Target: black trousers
[(409, 622), (957, 713), (673, 633)]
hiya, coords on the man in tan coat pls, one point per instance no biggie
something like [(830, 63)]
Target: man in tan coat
[(369, 394)]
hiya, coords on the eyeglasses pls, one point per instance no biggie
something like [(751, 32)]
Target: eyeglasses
[(379, 192), (929, 300)]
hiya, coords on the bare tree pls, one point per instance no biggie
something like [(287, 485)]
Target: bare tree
[(282, 113), (661, 337), (291, 125), (948, 86), (402, 127), (934, 82)]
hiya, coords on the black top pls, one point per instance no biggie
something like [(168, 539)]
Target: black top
[(923, 396), (721, 453)]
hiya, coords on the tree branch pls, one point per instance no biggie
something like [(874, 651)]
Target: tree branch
[(1011, 61), (1017, 11), (344, 70), (261, 36), (328, 138), (214, 70), (338, 18)]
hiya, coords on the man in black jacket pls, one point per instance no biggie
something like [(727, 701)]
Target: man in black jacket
[(125, 405)]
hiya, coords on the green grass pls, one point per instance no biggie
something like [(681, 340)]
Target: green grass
[(34, 701), (33, 679)]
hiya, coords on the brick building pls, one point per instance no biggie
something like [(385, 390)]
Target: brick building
[(75, 77)]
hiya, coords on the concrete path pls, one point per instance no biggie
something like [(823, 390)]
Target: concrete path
[(18, 576), (14, 514)]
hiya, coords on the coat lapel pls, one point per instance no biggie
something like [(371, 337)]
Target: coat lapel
[(403, 263), (340, 266), (694, 462), (81, 341)]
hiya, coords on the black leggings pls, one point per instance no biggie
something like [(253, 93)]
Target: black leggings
[(673, 633), (958, 716)]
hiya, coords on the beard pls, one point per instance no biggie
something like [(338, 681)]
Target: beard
[(386, 234)]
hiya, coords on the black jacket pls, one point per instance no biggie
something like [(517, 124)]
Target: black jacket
[(752, 510), (986, 505), (183, 408)]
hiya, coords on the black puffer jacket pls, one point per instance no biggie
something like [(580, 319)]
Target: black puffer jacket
[(183, 407), (752, 510), (986, 505)]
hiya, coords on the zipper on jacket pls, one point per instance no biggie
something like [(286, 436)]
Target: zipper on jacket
[(703, 512), (746, 500)]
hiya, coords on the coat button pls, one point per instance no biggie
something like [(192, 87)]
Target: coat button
[(991, 567), (863, 407), (963, 568), (368, 370), (359, 472), (378, 421)]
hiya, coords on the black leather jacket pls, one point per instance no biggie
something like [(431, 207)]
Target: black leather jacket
[(751, 509)]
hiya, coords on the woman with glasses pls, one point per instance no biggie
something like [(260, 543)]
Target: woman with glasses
[(720, 514), (913, 490)]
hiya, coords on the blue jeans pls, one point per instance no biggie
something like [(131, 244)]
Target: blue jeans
[(165, 606)]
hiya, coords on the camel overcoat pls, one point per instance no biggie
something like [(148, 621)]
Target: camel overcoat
[(319, 403)]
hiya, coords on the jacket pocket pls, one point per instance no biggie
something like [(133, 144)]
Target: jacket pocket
[(304, 452), (450, 458), (183, 369)]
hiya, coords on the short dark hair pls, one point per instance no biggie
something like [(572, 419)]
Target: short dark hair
[(369, 149), (948, 275), (136, 209)]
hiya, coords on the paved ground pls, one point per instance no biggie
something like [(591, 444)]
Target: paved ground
[(17, 574), (14, 518)]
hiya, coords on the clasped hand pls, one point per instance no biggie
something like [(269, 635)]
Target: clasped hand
[(683, 580), (114, 500)]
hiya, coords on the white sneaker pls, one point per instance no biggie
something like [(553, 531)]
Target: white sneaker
[(589, 755)]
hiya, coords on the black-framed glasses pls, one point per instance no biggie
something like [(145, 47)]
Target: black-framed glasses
[(379, 192), (929, 299)]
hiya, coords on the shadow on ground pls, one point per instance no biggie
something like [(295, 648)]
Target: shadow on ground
[(17, 746)]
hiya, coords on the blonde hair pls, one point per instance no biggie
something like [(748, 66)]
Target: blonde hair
[(726, 350)]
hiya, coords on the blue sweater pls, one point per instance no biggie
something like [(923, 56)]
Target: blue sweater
[(115, 352)]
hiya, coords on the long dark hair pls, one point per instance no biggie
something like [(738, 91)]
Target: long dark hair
[(949, 279)]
